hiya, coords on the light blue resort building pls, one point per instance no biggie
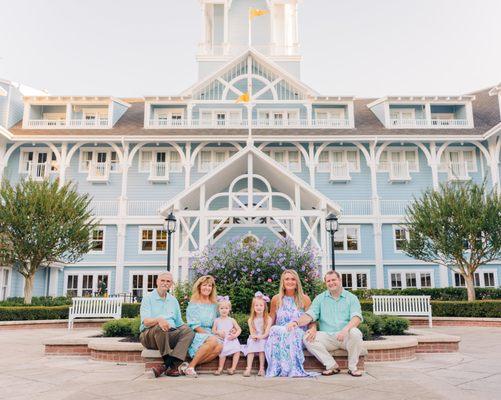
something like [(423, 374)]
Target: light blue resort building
[(273, 167)]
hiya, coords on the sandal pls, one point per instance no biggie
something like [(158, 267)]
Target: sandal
[(231, 372), (357, 373), (247, 373), (190, 372), (182, 368), (332, 371), (218, 372), (261, 372)]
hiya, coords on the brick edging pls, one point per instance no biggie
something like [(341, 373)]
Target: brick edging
[(457, 322)]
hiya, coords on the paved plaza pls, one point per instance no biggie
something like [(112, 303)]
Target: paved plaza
[(474, 373)]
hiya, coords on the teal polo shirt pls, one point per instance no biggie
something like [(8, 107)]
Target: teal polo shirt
[(334, 314), (153, 306)]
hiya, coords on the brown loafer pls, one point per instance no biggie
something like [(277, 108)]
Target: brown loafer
[(172, 372), (157, 371)]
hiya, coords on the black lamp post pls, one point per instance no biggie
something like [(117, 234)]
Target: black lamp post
[(332, 226), (170, 225)]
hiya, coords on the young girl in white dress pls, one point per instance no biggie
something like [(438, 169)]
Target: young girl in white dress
[(228, 330), (259, 328)]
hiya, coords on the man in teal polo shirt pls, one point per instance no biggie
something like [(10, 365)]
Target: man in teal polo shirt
[(338, 313), (162, 327)]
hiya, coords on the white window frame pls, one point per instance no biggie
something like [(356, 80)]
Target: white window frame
[(442, 165), (353, 273), (403, 151), (7, 284), (399, 111), (145, 274), (345, 240), (327, 168), (99, 228), (94, 151), (37, 150), (168, 113), (481, 272), (154, 240), (80, 275), (286, 163), (331, 113), (418, 273), (213, 151), (407, 236), (154, 151), (226, 111), (284, 111)]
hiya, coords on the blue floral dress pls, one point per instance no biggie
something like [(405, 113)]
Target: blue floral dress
[(284, 350), (203, 316)]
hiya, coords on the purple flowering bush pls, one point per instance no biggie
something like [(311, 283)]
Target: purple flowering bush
[(241, 270)]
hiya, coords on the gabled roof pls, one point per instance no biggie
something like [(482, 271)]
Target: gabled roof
[(280, 178), (258, 57), (447, 99), (55, 98), (495, 90)]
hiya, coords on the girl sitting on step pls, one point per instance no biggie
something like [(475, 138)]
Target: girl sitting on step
[(228, 330)]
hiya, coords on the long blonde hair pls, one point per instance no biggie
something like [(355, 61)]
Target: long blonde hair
[(253, 313), (298, 296), (195, 292)]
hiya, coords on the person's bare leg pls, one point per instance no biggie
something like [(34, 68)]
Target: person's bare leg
[(261, 364), (207, 352), (250, 359), (234, 363), (220, 368)]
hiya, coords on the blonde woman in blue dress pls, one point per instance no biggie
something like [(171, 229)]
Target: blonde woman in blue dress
[(200, 315)]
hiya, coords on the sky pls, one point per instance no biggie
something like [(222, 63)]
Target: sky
[(364, 48)]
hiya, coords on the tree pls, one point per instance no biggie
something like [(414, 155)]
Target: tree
[(458, 226), (42, 224)]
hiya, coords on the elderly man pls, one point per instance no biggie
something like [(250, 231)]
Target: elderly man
[(339, 314), (162, 327)]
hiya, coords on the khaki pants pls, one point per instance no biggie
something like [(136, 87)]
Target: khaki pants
[(174, 343), (325, 342)]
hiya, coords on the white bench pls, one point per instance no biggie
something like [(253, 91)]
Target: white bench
[(95, 307), (402, 306)]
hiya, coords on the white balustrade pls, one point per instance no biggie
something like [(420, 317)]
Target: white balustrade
[(159, 171), (144, 208), (428, 123), (355, 207), (104, 208), (38, 171), (458, 171), (243, 123), (394, 207), (70, 124), (399, 171), (340, 171), (99, 171)]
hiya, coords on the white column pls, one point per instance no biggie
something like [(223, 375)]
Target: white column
[(494, 164), (311, 163), (62, 164), (119, 270), (175, 252), (434, 165), (469, 114), (68, 113), (3, 149), (427, 113), (309, 113), (147, 114), (377, 226), (189, 114), (187, 165), (125, 164), (226, 30), (53, 282)]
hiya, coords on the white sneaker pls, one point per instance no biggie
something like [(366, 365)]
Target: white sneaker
[(183, 367)]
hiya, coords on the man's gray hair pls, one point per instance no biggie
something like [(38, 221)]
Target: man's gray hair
[(332, 272)]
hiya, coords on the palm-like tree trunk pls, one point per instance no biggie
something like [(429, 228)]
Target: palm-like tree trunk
[(28, 288)]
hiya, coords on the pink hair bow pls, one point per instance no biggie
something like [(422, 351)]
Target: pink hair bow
[(223, 298), (262, 296)]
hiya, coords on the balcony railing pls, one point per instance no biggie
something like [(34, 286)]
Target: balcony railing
[(38, 171), (104, 208), (458, 171), (429, 123), (340, 172), (355, 207), (159, 171), (69, 124), (394, 207), (207, 49), (99, 172), (399, 171), (256, 123)]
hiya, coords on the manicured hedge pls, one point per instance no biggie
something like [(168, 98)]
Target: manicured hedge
[(479, 309), (445, 294), (33, 313), (124, 327), (36, 301), (130, 310)]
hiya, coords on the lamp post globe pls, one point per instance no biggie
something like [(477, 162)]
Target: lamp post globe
[(332, 226)]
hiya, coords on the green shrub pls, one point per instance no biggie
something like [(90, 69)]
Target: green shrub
[(445, 294), (479, 309), (241, 270), (392, 325), (242, 321), (130, 310), (30, 313), (374, 323), (124, 327), (36, 301), (366, 331)]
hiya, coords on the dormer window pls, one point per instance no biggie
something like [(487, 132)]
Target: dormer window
[(339, 163), (98, 163), (277, 118), (159, 163), (37, 164), (399, 164), (458, 163)]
